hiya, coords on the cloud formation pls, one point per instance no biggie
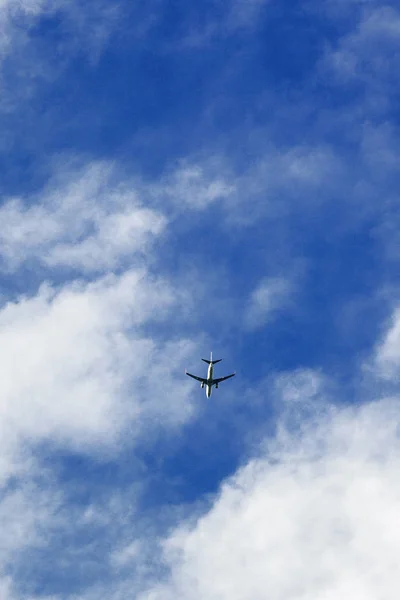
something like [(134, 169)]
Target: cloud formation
[(76, 360), (314, 517), (86, 223), (84, 360)]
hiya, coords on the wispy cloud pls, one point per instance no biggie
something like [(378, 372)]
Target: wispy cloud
[(28, 507), (24, 61), (367, 52), (219, 20), (387, 357), (85, 223), (285, 181), (194, 186), (271, 295)]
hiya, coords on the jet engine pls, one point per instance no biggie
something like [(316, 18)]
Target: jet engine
[(202, 384), (216, 386)]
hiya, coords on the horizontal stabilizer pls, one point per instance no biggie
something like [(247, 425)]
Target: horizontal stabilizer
[(211, 362)]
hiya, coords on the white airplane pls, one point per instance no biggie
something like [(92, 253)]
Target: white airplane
[(209, 381)]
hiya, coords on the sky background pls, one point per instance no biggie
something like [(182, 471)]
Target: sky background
[(178, 178)]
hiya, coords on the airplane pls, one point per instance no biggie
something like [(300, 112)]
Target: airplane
[(209, 381)]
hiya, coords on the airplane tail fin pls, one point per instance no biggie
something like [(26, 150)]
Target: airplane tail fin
[(211, 362)]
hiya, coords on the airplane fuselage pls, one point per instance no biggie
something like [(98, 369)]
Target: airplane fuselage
[(209, 379)]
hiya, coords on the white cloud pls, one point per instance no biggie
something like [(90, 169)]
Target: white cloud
[(272, 294), (195, 185), (316, 517), (85, 222), (79, 370), (116, 236)]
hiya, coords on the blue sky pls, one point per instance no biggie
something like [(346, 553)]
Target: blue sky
[(178, 178)]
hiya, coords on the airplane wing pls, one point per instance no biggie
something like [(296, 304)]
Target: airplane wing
[(223, 378), (195, 377)]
